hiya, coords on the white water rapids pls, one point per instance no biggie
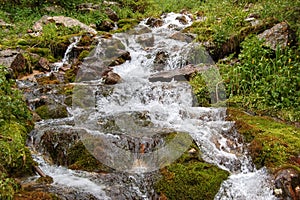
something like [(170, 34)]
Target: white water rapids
[(168, 105)]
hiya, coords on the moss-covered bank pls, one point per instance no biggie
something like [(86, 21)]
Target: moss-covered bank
[(15, 123), (273, 144)]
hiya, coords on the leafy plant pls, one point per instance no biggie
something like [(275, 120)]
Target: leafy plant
[(265, 77)]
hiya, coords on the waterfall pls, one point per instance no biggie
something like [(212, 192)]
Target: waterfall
[(66, 57), (123, 124)]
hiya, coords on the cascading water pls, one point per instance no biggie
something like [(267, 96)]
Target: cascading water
[(124, 124), (66, 57)]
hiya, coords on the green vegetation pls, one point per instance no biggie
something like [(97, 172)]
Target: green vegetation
[(79, 158), (52, 111), (272, 144), (15, 123), (256, 78), (190, 178), (265, 81)]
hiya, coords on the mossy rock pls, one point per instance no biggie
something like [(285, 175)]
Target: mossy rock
[(126, 24), (70, 74), (79, 158), (40, 51), (272, 144), (200, 90), (190, 178), (52, 111), (83, 54)]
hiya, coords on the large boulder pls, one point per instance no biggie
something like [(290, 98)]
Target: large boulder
[(279, 35), (64, 21), (16, 62)]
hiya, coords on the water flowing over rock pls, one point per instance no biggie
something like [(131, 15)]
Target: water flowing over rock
[(183, 74), (135, 127)]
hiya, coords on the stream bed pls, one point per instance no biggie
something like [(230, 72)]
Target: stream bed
[(126, 126)]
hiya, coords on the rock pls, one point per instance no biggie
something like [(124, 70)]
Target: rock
[(192, 151), (110, 3), (43, 64), (111, 14), (54, 9), (36, 117), (3, 24), (146, 40), (16, 62), (118, 58), (88, 7), (287, 184), (106, 25), (279, 35), (52, 111), (182, 37), (111, 78), (232, 44), (42, 79), (141, 30), (182, 19), (160, 60), (154, 22), (182, 74), (61, 20), (63, 147), (161, 57)]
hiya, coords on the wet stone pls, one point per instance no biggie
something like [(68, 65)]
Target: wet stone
[(287, 184), (154, 22), (182, 19)]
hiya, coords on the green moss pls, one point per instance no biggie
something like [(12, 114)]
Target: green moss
[(71, 74), (200, 90), (14, 155), (43, 52), (45, 180), (83, 54), (272, 143), (52, 111), (8, 186), (190, 178), (126, 24), (79, 158)]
